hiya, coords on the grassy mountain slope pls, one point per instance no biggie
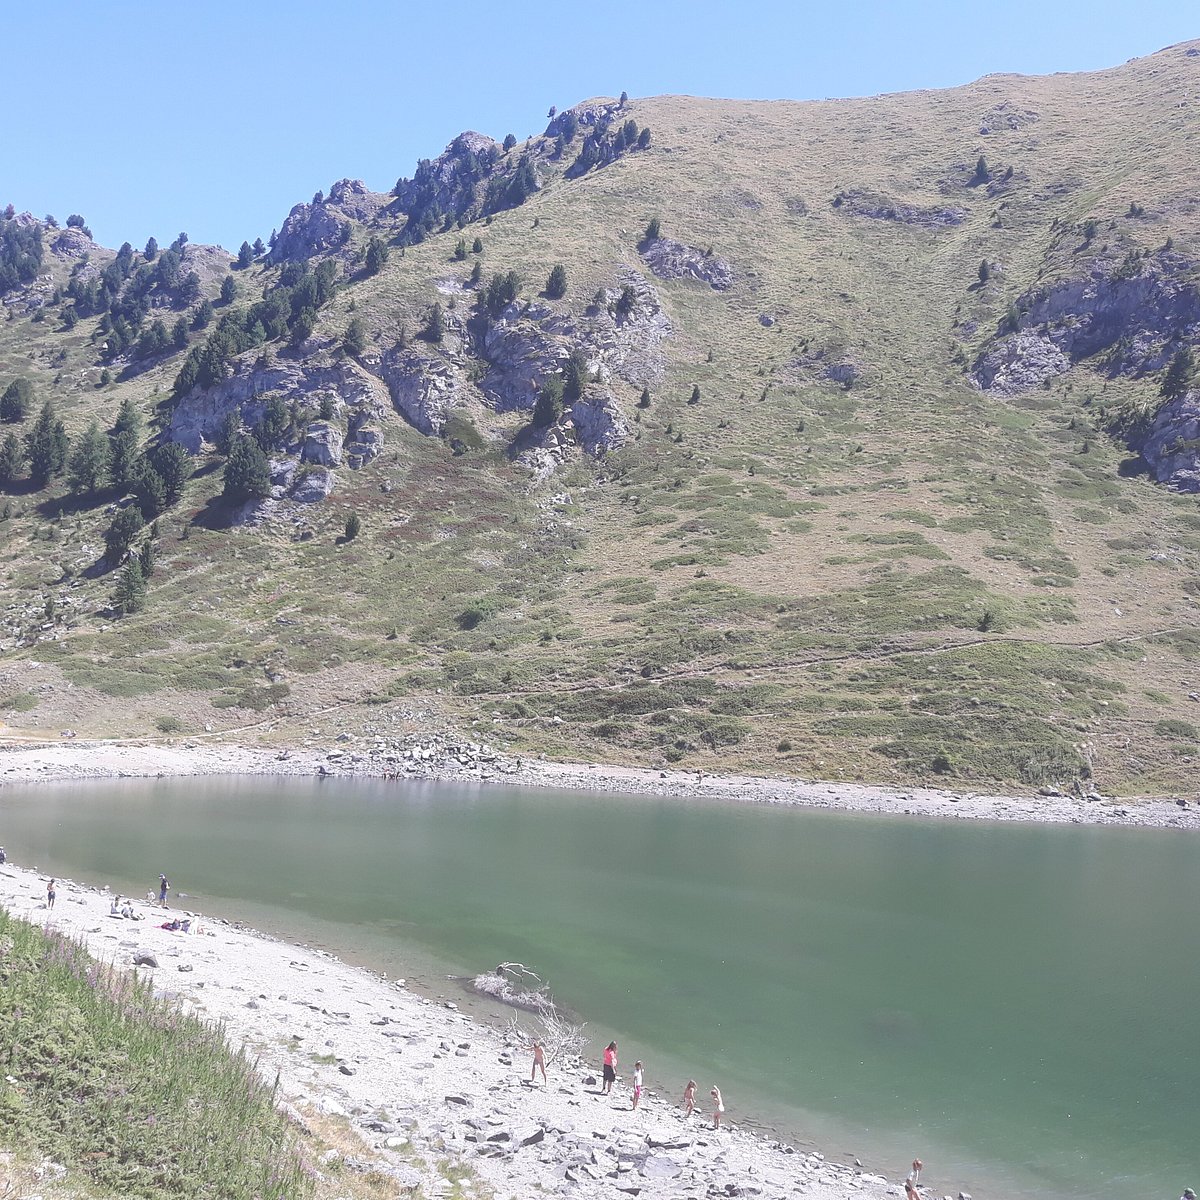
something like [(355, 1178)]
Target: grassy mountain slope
[(846, 560)]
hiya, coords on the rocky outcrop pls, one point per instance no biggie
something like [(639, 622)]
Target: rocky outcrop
[(363, 445), (312, 485), (199, 415), (1006, 115), (669, 259), (322, 445), (524, 346), (588, 116), (72, 242), (599, 425), (1135, 310), (860, 203), (628, 341), (424, 387), (1020, 363), (325, 225), (1171, 446)]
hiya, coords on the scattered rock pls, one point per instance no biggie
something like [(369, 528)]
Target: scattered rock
[(143, 958)]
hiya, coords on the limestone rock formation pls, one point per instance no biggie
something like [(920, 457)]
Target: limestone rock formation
[(669, 259), (1171, 447)]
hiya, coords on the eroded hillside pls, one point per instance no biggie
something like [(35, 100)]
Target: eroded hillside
[(852, 439)]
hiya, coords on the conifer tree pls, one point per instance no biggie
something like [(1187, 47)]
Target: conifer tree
[(353, 526), (118, 537), (151, 250), (146, 557), (90, 461), (228, 290), (556, 284), (510, 141), (129, 420), (130, 594), (12, 459), (377, 255), (16, 401), (549, 404), (173, 465), (1179, 374), (653, 232), (985, 271), (245, 256), (179, 334), (203, 315), (477, 246), (694, 398), (644, 138), (644, 398), (575, 375), (123, 461), (46, 445), (476, 272), (258, 248), (435, 324), (354, 341), (247, 476), (460, 249)]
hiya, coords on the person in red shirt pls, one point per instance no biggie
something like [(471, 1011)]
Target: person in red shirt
[(610, 1068)]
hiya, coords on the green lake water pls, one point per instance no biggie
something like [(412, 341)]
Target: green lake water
[(1019, 1005)]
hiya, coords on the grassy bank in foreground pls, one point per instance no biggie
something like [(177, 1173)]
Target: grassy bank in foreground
[(132, 1096)]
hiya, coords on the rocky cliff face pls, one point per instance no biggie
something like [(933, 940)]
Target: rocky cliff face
[(323, 226), (1171, 446), (1135, 310)]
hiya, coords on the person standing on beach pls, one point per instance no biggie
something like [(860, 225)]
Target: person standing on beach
[(689, 1098), (163, 888), (539, 1062), (914, 1176), (637, 1083), (610, 1068), (718, 1106), (50, 894)]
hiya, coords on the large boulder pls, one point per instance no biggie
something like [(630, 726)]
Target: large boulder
[(322, 444), (313, 485), (423, 387)]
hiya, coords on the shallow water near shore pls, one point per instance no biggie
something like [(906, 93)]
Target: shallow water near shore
[(1017, 1004)]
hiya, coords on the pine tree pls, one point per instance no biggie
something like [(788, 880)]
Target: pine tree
[(477, 246), (574, 377), (129, 420), (624, 99), (476, 273), (694, 398), (1179, 374), (46, 445), (549, 404), (556, 285), (644, 138), (653, 232), (16, 401), (173, 465), (982, 174), (247, 475), (228, 290), (510, 141), (130, 594), (353, 526), (644, 398), (435, 324), (123, 462), (460, 249), (354, 341), (179, 334), (118, 537), (90, 461), (151, 491), (151, 250), (146, 556), (985, 271), (245, 256), (203, 315), (377, 255), (12, 459)]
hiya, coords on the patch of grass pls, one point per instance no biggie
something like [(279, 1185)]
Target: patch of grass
[(125, 1090), (21, 702)]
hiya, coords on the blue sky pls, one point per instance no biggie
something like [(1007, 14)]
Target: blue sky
[(215, 117)]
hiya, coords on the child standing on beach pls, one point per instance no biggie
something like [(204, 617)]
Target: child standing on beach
[(610, 1068), (637, 1083), (718, 1106), (51, 894), (689, 1098), (539, 1062)]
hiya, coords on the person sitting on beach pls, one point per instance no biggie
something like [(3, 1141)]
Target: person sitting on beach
[(637, 1083), (718, 1106), (3, 856), (689, 1098), (610, 1068), (114, 909), (128, 913), (539, 1062)]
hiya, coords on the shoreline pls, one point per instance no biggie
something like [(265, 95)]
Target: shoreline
[(421, 1082), (440, 758)]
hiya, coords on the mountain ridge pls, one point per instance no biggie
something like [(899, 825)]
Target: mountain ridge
[(743, 516)]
